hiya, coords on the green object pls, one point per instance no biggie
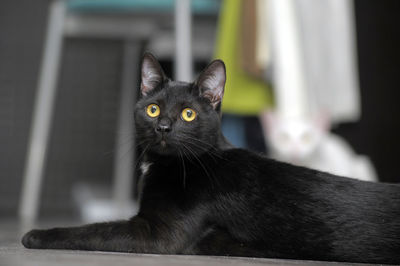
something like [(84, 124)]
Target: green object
[(244, 95), (198, 6)]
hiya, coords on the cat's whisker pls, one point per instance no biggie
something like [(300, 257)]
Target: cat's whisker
[(184, 169), (141, 155), (200, 163), (131, 148), (199, 140), (211, 152), (187, 156)]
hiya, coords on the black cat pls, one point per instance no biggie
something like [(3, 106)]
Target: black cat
[(202, 196)]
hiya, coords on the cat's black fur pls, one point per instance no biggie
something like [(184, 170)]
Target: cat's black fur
[(202, 196)]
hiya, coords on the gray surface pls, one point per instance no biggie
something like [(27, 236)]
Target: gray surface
[(12, 253)]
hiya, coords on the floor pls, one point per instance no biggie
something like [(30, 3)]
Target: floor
[(12, 253)]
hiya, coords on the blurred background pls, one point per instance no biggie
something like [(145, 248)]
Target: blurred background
[(344, 70)]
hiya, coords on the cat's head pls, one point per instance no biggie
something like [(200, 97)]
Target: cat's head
[(179, 118), (294, 139)]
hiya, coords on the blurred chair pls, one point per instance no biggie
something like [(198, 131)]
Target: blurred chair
[(134, 21)]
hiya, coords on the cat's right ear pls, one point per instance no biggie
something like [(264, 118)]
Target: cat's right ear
[(152, 74)]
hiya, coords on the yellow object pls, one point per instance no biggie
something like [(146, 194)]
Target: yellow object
[(153, 110), (188, 114), (244, 95)]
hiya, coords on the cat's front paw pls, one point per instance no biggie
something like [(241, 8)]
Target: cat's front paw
[(34, 239)]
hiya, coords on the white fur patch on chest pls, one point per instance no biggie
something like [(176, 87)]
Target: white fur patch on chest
[(145, 167)]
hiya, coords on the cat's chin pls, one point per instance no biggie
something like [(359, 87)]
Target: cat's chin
[(162, 148)]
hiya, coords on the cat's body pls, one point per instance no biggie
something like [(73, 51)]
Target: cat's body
[(271, 209), (201, 196)]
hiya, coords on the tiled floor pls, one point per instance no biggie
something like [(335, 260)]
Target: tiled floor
[(12, 253)]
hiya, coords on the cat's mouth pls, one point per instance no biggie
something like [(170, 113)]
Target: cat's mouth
[(162, 146), (163, 143)]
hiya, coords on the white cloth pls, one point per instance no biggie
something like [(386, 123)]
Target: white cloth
[(325, 58), (327, 33)]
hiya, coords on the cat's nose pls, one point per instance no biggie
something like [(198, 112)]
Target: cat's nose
[(164, 125), (163, 128)]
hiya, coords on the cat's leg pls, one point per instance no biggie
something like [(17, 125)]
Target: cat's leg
[(218, 241), (136, 235), (112, 236)]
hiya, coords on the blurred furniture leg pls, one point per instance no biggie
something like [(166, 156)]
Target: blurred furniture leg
[(42, 115), (125, 141), (131, 29), (183, 38)]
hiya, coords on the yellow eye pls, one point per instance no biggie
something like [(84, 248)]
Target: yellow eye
[(188, 114), (153, 110)]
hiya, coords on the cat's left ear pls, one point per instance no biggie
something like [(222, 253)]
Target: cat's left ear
[(211, 82)]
